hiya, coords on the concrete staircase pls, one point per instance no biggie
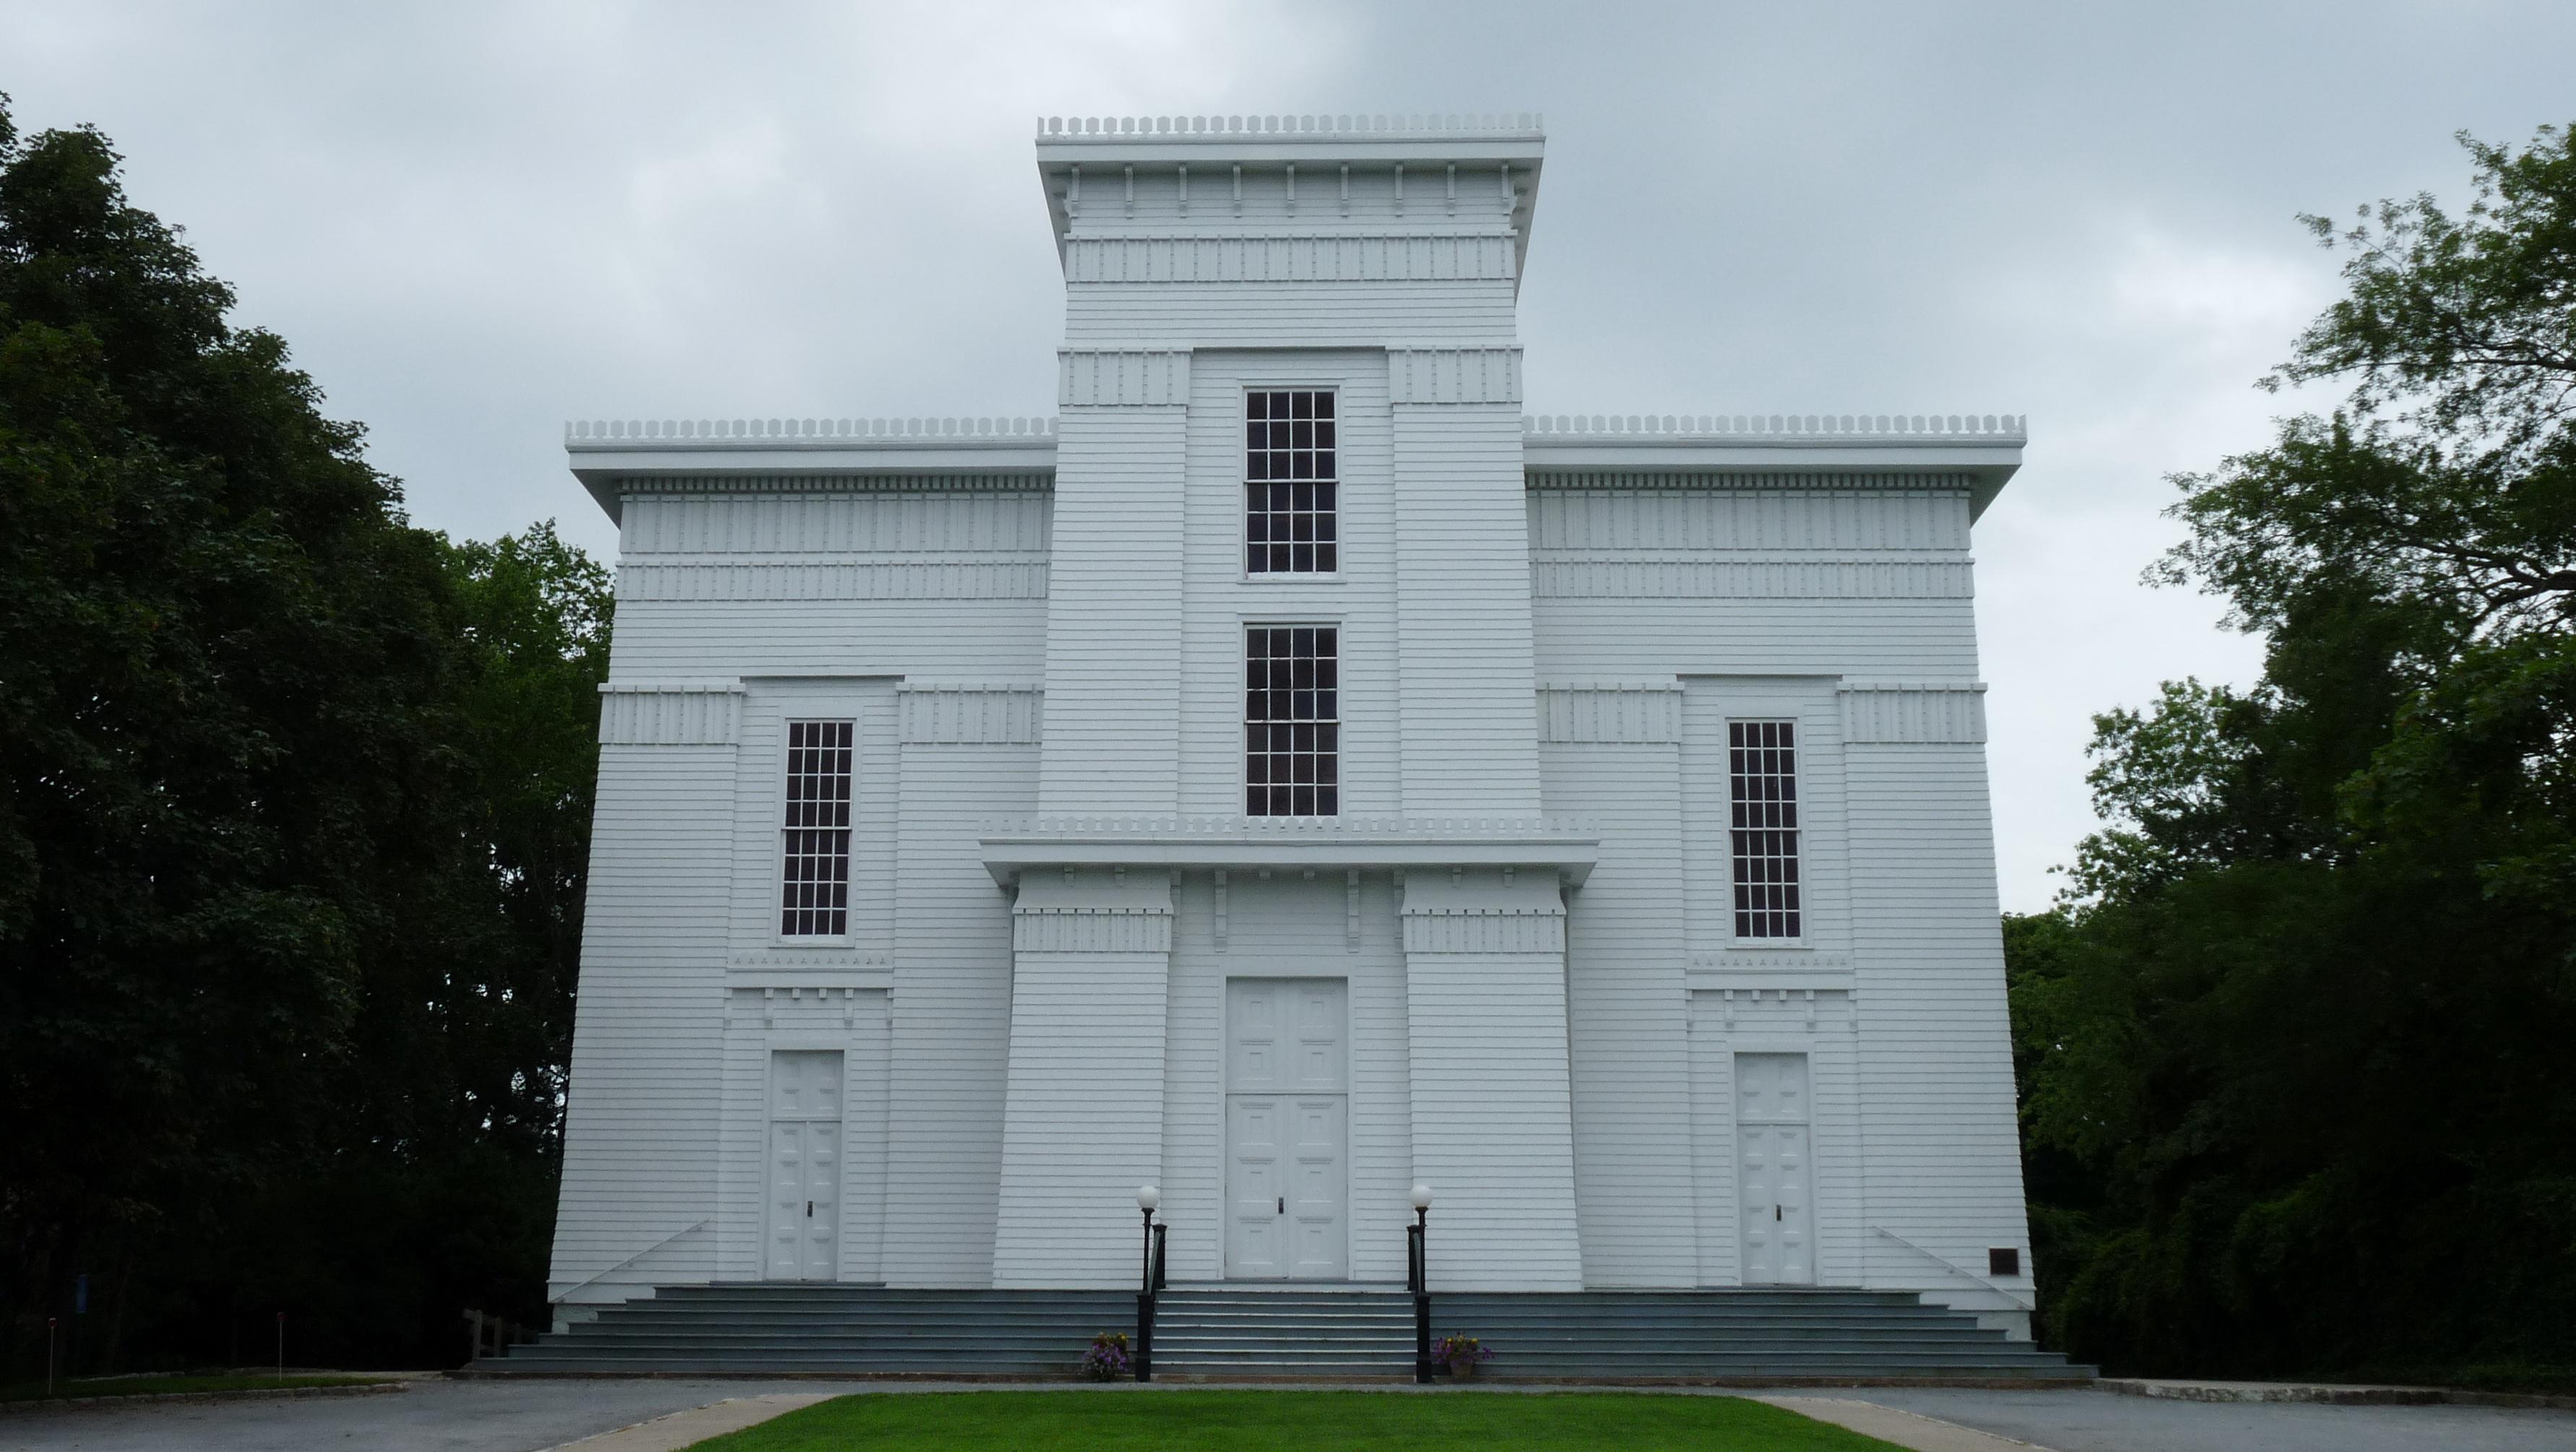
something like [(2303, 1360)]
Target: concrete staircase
[(829, 1329), (1226, 1333), (1771, 1335), (1220, 1334)]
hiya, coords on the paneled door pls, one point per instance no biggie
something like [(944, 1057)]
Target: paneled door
[(1775, 1173), (804, 1233), (1287, 1129)]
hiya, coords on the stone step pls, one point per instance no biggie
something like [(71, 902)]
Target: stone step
[(1342, 1332)]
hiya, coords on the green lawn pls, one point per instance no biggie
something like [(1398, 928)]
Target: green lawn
[(136, 1386), (1292, 1421)]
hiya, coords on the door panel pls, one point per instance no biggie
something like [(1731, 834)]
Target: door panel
[(802, 1242), (1774, 1170), (1287, 1130), (1255, 1186)]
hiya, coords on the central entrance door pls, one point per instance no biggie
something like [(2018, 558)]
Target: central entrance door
[(804, 1240), (1287, 1129), (1775, 1172)]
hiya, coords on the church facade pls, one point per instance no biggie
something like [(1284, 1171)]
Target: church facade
[(1291, 773)]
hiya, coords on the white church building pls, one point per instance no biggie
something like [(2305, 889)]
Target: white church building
[(1296, 770)]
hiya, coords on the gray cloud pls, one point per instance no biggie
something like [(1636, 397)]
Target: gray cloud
[(475, 222)]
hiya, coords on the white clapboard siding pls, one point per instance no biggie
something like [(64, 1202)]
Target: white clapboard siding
[(1485, 1016), (648, 1037), (1221, 599), (1113, 656), (1469, 727), (1047, 622), (1286, 927), (1943, 1151), (1082, 1120), (1626, 1029), (951, 1012)]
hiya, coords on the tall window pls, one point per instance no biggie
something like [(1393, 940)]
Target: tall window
[(1292, 724), (1291, 493), (814, 899), (1762, 783)]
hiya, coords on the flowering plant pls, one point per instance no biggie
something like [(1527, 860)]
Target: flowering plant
[(1107, 1360), (1456, 1351)]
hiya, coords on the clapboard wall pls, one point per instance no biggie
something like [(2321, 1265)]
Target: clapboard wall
[(915, 607), (1666, 605)]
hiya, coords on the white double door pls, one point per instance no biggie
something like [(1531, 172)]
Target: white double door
[(1287, 1129), (1775, 1169), (803, 1241)]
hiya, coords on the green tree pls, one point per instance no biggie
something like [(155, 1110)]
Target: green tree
[(294, 801), (2295, 1088)]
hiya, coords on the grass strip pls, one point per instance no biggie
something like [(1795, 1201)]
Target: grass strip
[(1291, 1421)]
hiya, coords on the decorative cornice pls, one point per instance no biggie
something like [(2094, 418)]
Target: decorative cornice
[(1122, 377), (583, 435), (1772, 428), (977, 578), (670, 713), (1453, 375), (1515, 125), (1123, 928), (1560, 849), (1626, 713), (1321, 257), (1913, 712), (1982, 449), (1534, 928), (1735, 960), (1720, 579), (1007, 481), (934, 714), (1409, 829)]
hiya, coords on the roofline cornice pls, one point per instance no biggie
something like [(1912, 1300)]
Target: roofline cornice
[(608, 455)]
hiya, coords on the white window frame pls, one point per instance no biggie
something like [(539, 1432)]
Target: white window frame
[(1243, 483), (1339, 721), (781, 831), (1800, 856)]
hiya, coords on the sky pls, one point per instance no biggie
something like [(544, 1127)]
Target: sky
[(472, 222)]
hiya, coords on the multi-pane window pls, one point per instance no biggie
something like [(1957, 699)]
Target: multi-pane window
[(814, 897), (1292, 721), (1762, 786), (1291, 489)]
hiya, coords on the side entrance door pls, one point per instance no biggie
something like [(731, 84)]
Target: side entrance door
[(1287, 1127), (1775, 1174), (804, 1233)]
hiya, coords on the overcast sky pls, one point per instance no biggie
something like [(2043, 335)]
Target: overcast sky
[(473, 222)]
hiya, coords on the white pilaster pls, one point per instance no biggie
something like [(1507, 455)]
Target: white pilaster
[(1082, 1119)]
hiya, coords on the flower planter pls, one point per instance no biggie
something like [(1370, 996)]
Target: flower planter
[(1463, 1370)]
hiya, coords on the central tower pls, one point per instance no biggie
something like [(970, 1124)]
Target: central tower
[(1366, 261), (1288, 627)]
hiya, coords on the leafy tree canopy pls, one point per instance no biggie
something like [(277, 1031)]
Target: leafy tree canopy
[(294, 804), (2295, 1085)]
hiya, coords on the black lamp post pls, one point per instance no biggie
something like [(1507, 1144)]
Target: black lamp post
[(1419, 1273), (1147, 1197)]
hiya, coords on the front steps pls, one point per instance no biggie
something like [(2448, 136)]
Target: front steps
[(1766, 1336), (824, 1329), (1220, 1333)]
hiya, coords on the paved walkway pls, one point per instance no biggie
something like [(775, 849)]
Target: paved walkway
[(434, 1416), (525, 1416), (2094, 1421)]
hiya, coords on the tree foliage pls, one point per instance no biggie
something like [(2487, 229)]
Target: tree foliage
[(2296, 1094), (294, 804)]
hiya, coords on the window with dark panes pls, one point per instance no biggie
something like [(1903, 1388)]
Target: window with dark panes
[(814, 898), (1762, 783), (1291, 483), (1292, 721)]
